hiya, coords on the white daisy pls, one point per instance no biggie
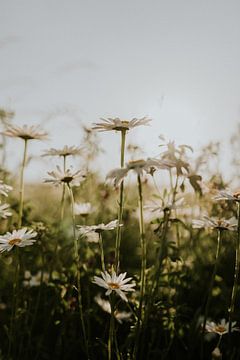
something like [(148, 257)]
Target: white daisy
[(227, 195), (117, 124), (4, 189), (221, 328), (4, 211), (139, 167), (214, 223), (25, 132), (66, 177), (21, 238), (85, 229), (65, 151), (83, 209), (114, 283), (120, 316), (153, 207)]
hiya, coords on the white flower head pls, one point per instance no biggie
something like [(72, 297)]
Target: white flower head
[(221, 328), (21, 238), (65, 151), (139, 167), (85, 229), (83, 209), (153, 207), (214, 223), (227, 195), (116, 283), (4, 211), (117, 124), (4, 189), (68, 177), (25, 132), (120, 316)]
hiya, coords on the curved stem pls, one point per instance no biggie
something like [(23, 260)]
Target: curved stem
[(120, 210), (101, 251), (78, 275), (236, 273), (22, 184)]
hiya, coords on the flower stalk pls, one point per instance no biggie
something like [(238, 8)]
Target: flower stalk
[(21, 199), (101, 251)]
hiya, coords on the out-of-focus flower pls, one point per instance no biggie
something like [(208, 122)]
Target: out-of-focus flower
[(4, 189), (21, 238), (221, 328), (25, 132), (117, 124), (120, 316), (85, 229), (153, 207), (116, 283), (65, 151), (83, 209), (214, 223), (227, 195), (66, 177), (34, 280), (4, 211), (139, 167)]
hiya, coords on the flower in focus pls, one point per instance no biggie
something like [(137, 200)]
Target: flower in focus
[(227, 195), (221, 328), (4, 189), (139, 167), (21, 238), (66, 177), (120, 316), (114, 283), (25, 132), (65, 151), (4, 211), (85, 229), (116, 124), (83, 209), (214, 223)]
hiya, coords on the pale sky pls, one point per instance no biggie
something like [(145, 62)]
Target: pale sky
[(67, 62)]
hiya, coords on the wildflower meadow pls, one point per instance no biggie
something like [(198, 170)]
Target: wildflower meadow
[(139, 263)]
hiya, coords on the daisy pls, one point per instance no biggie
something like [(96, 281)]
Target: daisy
[(117, 124), (214, 223), (25, 132), (65, 151), (139, 167), (65, 177), (114, 283), (21, 238), (4, 211), (165, 207), (83, 209), (221, 328), (105, 305), (84, 229), (227, 195), (4, 189)]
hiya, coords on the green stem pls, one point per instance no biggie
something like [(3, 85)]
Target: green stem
[(101, 251), (120, 210), (236, 273), (111, 331), (22, 184), (78, 275), (63, 190)]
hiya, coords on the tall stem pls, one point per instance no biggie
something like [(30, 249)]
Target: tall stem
[(120, 210), (101, 251), (236, 273), (22, 184), (111, 331), (78, 275), (63, 190)]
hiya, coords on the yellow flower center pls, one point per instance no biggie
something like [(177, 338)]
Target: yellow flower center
[(114, 286), (14, 241), (123, 126), (220, 328)]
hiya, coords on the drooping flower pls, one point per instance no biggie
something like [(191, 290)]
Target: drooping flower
[(214, 223), (25, 132), (221, 328), (65, 151), (68, 177), (85, 229), (227, 195), (21, 238), (139, 167), (4, 189), (4, 211), (105, 305), (116, 283), (117, 124), (83, 209)]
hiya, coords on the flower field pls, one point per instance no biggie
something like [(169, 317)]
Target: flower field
[(142, 264)]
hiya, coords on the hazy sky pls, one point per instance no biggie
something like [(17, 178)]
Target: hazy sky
[(67, 62)]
